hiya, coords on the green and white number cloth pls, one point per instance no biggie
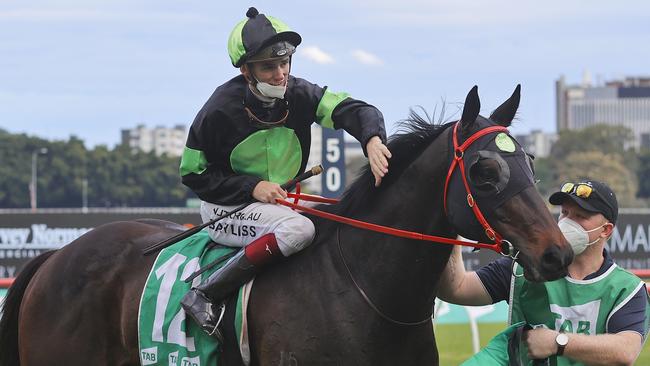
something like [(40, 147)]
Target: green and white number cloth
[(166, 336)]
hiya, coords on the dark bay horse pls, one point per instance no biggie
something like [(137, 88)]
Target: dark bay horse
[(354, 297)]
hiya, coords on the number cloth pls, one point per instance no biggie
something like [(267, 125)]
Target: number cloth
[(166, 336)]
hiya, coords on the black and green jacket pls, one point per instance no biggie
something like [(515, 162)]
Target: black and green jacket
[(227, 154)]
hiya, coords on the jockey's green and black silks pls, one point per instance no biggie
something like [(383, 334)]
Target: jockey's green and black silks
[(223, 124), (272, 154)]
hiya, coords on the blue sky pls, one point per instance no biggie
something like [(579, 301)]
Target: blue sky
[(90, 68)]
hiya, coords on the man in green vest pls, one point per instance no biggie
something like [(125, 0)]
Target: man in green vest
[(252, 135), (597, 315)]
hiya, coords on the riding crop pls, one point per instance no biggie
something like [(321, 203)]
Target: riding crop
[(289, 185)]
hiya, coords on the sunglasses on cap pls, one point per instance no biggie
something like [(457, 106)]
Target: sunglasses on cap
[(581, 190)]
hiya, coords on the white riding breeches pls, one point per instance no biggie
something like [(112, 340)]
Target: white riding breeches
[(293, 231)]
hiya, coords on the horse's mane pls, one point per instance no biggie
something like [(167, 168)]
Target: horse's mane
[(414, 134)]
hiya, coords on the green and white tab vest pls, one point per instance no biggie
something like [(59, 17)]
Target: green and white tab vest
[(570, 305)]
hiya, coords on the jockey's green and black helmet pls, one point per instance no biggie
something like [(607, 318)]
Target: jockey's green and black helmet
[(261, 37)]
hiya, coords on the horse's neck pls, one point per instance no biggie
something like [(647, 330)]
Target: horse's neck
[(416, 201), (399, 273)]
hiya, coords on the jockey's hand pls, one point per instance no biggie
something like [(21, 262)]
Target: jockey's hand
[(268, 192), (540, 342), (378, 155)]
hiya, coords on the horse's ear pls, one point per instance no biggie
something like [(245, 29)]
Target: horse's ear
[(506, 111), (471, 109)]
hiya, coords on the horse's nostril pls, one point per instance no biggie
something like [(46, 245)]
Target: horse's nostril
[(555, 261), (568, 257)]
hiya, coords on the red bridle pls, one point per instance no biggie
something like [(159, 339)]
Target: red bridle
[(459, 152), (497, 246)]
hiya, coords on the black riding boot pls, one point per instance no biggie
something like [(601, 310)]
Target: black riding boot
[(198, 302)]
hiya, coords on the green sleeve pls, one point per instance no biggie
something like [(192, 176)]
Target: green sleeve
[(326, 106), (193, 161)]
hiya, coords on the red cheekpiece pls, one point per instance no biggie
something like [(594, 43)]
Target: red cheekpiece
[(263, 250)]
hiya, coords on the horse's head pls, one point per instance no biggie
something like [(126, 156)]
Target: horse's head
[(499, 175)]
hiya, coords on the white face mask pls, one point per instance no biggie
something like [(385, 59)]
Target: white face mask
[(576, 235), (271, 91)]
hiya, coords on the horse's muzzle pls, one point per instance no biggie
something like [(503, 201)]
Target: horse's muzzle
[(555, 262)]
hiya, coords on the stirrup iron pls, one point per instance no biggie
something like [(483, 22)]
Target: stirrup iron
[(218, 323)]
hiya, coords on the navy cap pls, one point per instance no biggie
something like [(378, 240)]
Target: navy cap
[(602, 200)]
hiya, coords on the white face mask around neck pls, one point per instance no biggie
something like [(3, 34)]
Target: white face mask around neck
[(271, 91), (576, 235)]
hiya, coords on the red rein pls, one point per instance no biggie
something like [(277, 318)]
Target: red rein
[(371, 226)]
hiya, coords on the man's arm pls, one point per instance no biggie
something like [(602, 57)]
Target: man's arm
[(359, 119), (458, 286), (603, 349)]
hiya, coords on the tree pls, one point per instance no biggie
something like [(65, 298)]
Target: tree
[(605, 138), (600, 152), (15, 168), (544, 175), (609, 168), (118, 177), (643, 173)]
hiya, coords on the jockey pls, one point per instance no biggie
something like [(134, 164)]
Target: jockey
[(253, 134)]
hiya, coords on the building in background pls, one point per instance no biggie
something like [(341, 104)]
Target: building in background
[(620, 102), (161, 140), (537, 143)]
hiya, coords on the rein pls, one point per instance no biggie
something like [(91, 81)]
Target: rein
[(370, 226), (365, 296)]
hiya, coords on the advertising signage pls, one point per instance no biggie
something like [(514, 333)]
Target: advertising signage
[(23, 236)]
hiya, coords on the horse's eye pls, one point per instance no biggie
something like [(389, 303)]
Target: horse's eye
[(485, 173)]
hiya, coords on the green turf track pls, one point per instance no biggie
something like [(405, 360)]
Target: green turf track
[(455, 342)]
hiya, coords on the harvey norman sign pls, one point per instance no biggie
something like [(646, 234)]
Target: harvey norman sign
[(38, 236), (19, 244), (25, 235)]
